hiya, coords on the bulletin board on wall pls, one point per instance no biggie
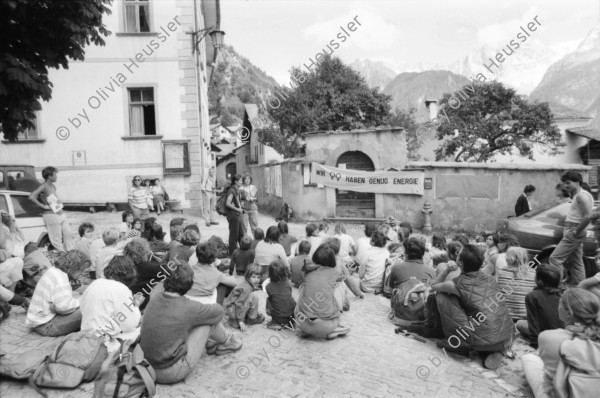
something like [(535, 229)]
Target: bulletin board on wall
[(467, 186)]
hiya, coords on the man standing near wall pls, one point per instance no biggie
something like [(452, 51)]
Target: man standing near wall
[(523, 205), (209, 198), (574, 233)]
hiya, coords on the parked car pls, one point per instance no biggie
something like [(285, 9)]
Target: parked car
[(539, 231), (18, 178), (27, 215)]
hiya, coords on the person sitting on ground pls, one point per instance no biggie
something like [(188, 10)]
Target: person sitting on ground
[(312, 237), (182, 249), (300, 261), (462, 238), (569, 358), (467, 303), (323, 228), (149, 271), (136, 229), (364, 243), (259, 235), (126, 225), (156, 240), (242, 257), (542, 305), (520, 277), (207, 278), (35, 264), (318, 312), (176, 330), (397, 256), (285, 239), (14, 239), (491, 243), (340, 291), (505, 242), (108, 307), (592, 284), (406, 228), (147, 230), (412, 267), (347, 244), (11, 268), (88, 245), (53, 310), (174, 229), (242, 303), (454, 249), (110, 237), (371, 274), (438, 244), (268, 251), (280, 303), (439, 259)]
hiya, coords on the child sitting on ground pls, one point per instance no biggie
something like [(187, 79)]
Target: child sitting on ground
[(242, 257), (542, 305), (323, 228), (136, 229), (242, 304), (259, 235), (110, 238), (280, 303), (87, 244), (182, 250), (108, 306), (340, 291), (207, 277), (517, 275), (126, 225), (53, 311), (298, 262), (311, 236)]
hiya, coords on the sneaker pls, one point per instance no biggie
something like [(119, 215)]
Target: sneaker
[(260, 318), (232, 344), (493, 361), (337, 332), (274, 325)]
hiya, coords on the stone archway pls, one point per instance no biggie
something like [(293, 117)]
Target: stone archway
[(351, 204)]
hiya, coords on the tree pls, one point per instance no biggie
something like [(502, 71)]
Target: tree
[(333, 97), (406, 120), (37, 35), (493, 120)]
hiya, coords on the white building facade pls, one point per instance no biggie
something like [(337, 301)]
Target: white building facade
[(136, 106)]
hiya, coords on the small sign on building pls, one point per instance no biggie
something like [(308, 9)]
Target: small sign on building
[(79, 158), (428, 182)]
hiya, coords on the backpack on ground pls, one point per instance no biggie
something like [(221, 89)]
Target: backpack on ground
[(76, 360), (129, 374), (409, 300)]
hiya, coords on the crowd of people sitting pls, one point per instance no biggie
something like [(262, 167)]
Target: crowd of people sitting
[(174, 293)]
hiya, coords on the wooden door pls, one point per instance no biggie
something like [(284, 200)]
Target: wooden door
[(353, 204)]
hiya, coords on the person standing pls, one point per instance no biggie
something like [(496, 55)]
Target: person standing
[(45, 196), (523, 204), (574, 233), (209, 198), (234, 213), (250, 219), (138, 199)]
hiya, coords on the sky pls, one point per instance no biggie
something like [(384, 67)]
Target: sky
[(278, 34)]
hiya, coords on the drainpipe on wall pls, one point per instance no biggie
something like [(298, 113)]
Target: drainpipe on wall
[(196, 53)]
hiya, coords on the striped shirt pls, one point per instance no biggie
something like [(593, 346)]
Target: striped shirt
[(53, 295), (137, 197)]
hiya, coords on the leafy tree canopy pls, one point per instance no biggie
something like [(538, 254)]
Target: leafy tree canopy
[(406, 120), (485, 119), (333, 97), (37, 35)]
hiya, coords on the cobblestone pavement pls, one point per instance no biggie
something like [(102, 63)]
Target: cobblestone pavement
[(372, 361)]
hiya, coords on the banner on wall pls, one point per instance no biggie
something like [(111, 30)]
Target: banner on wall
[(406, 182)]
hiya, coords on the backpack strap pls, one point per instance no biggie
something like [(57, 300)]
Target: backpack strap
[(35, 375), (147, 378)]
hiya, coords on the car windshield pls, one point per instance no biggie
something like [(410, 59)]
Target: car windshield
[(24, 207)]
